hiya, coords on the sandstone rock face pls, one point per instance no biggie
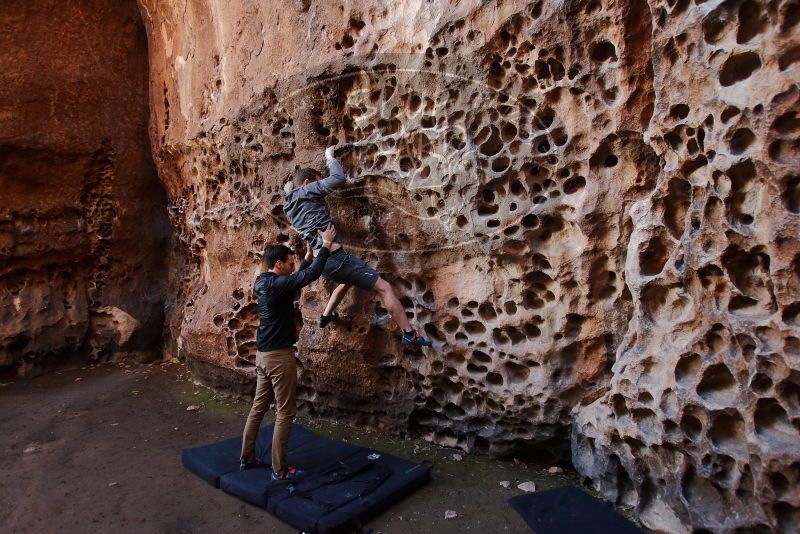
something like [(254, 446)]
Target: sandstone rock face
[(83, 223), (701, 425), (592, 207)]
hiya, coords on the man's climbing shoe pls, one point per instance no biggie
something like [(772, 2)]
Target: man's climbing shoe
[(325, 320), (286, 474), (249, 464), (412, 338)]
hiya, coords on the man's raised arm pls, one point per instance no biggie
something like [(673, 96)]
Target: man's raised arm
[(303, 277)]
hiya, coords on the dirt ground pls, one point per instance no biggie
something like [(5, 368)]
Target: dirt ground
[(98, 450)]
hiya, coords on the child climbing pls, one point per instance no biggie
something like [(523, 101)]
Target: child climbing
[(307, 212)]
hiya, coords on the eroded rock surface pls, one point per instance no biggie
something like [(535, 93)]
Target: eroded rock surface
[(701, 423), (83, 223), (592, 207)]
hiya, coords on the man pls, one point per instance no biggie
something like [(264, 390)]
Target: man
[(276, 369), (306, 211)]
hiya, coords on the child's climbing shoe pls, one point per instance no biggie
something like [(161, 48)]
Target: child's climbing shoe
[(286, 474), (325, 320), (249, 464), (412, 338)]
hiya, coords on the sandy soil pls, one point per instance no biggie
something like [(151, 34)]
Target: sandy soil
[(98, 450)]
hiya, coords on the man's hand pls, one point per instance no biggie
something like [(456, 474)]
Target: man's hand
[(329, 152), (328, 235), (309, 253)]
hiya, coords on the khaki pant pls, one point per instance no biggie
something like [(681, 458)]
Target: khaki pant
[(277, 381)]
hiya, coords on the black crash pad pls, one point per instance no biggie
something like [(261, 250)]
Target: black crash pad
[(569, 510), (343, 484)]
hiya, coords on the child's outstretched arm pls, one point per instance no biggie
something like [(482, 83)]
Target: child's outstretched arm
[(334, 181)]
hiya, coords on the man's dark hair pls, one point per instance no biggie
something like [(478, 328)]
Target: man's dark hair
[(276, 253), (305, 174)]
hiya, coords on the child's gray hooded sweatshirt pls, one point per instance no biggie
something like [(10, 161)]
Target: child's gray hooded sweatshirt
[(305, 207)]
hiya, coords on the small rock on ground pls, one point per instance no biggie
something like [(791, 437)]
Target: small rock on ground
[(527, 486)]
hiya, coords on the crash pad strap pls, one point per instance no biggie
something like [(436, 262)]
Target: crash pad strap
[(306, 484)]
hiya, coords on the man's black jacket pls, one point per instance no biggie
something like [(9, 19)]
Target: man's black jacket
[(276, 295)]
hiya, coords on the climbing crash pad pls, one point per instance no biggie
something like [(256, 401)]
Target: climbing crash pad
[(569, 510), (342, 485)]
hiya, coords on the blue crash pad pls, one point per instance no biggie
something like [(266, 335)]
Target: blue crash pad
[(343, 484), (569, 510)]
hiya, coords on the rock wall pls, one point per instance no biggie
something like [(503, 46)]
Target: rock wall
[(592, 207), (701, 425), (83, 224)]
